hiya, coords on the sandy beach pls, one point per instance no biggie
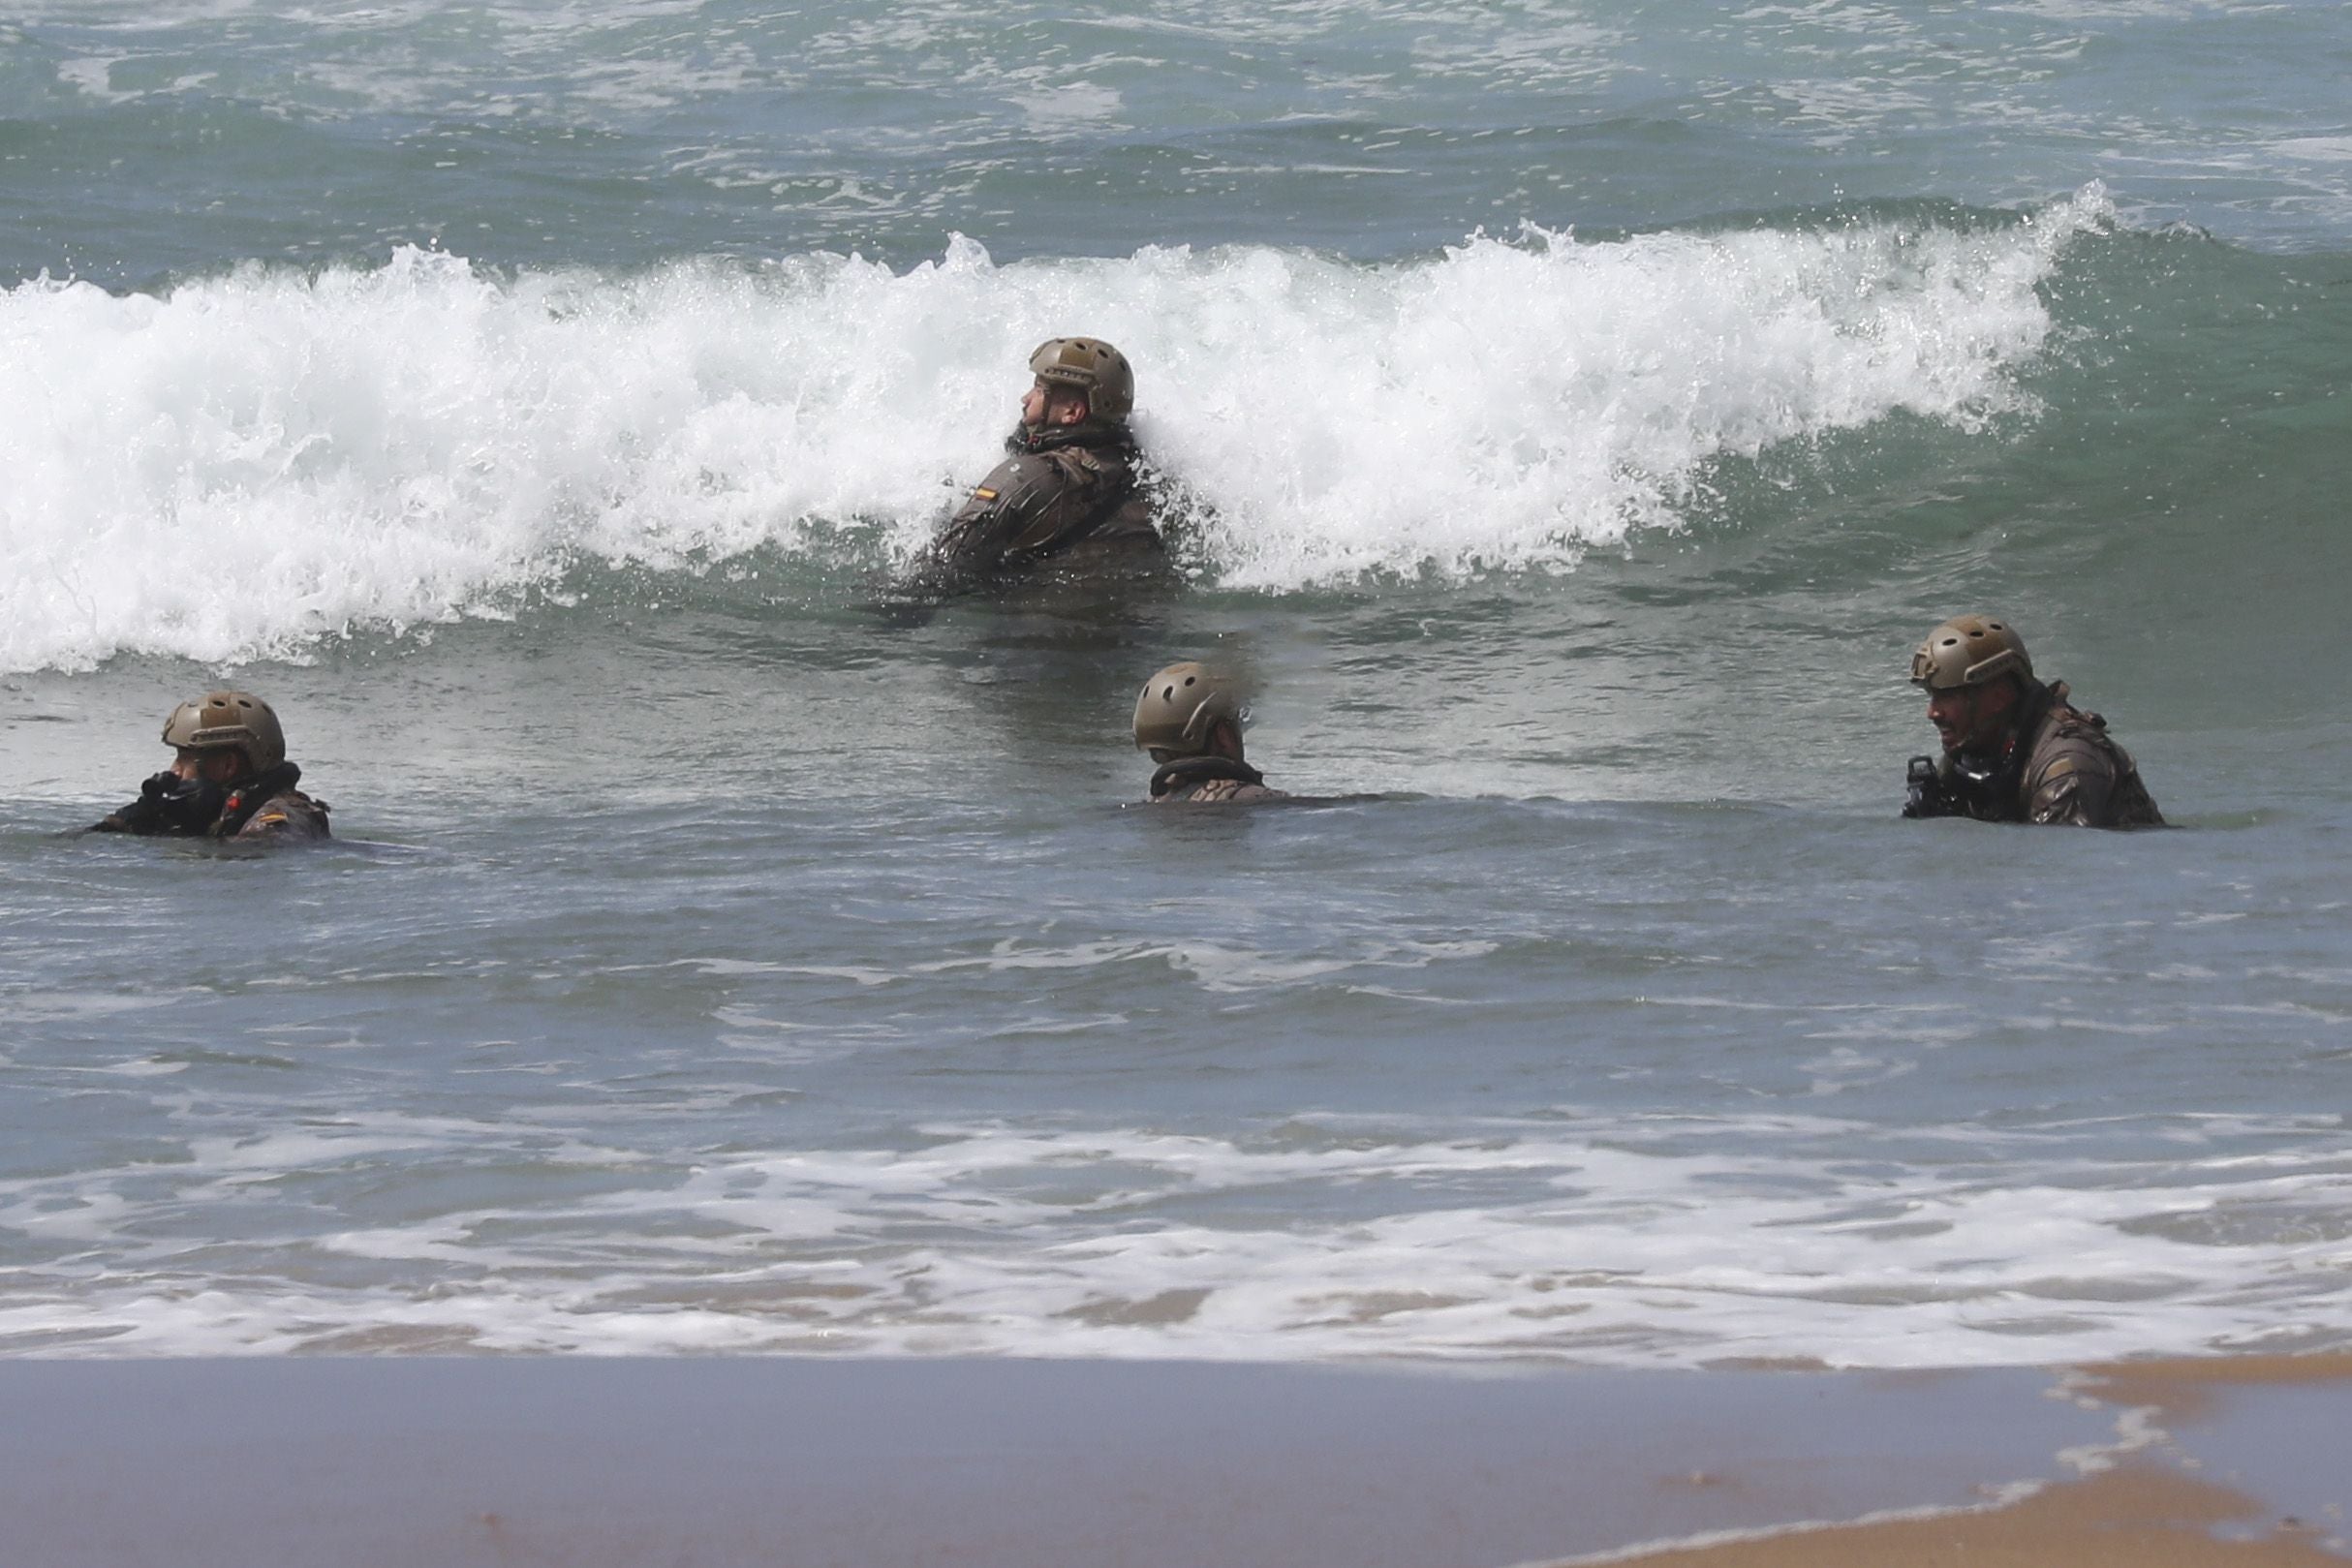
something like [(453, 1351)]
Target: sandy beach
[(813, 1462)]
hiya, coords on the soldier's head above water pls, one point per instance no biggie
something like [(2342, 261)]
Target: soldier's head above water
[(222, 736), (1078, 381), (1188, 710), (1975, 672), (1188, 719)]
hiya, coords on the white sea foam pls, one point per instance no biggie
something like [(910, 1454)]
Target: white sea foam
[(1608, 1242), (266, 457)]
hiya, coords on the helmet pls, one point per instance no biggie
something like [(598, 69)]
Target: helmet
[(1093, 367), (1179, 707), (1968, 649), (221, 719)]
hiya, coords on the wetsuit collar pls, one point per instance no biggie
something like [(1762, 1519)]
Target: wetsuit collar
[(1030, 439), (1187, 770)]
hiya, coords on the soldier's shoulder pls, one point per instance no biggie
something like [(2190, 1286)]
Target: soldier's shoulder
[(1227, 792), (1092, 466), (2071, 753), (1013, 474), (2079, 773), (2074, 737), (290, 815)]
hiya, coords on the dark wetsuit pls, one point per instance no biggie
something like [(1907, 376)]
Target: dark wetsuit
[(266, 807), (1068, 495), (2058, 765), (1208, 780)]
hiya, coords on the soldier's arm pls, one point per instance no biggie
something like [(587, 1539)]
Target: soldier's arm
[(145, 814), (2071, 788)]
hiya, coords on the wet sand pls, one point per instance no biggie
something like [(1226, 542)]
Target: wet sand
[(2135, 1517), (583, 1462)]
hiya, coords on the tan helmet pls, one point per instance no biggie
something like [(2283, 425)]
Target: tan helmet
[(221, 719), (1181, 705), (1093, 366), (1968, 649)]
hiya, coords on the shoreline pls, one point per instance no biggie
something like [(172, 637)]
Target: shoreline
[(588, 1461), (2232, 1462)]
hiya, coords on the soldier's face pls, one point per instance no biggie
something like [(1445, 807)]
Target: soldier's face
[(211, 766), (1969, 717), (1045, 404)]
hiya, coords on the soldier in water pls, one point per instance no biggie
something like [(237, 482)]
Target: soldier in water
[(1067, 496), (1189, 719), (2014, 749), (229, 780)]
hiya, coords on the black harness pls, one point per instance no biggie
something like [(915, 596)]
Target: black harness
[(1189, 772)]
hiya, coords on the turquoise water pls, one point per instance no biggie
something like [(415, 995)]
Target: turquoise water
[(1574, 417), (144, 144)]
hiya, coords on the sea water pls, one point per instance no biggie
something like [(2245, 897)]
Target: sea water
[(1569, 416)]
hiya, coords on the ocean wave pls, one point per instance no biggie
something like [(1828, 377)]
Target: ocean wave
[(262, 458)]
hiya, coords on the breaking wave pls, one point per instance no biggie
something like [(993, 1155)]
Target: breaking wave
[(259, 459)]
